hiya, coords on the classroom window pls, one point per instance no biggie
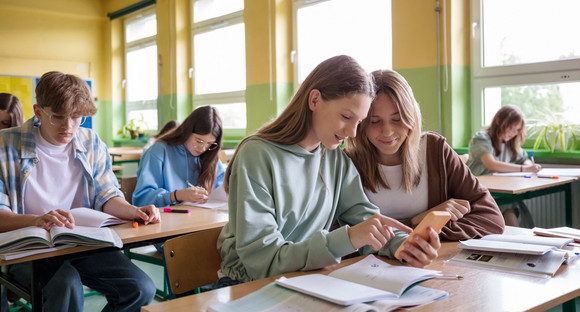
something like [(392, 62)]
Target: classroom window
[(532, 62), (219, 60), (141, 87), (325, 28)]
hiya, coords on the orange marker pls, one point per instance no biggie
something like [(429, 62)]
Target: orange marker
[(548, 177), (136, 224)]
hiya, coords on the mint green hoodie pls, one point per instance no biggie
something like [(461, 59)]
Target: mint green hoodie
[(281, 210)]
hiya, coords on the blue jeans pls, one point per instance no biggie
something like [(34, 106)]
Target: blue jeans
[(125, 286)]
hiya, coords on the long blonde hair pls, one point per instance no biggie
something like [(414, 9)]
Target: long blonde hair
[(366, 156), (336, 77)]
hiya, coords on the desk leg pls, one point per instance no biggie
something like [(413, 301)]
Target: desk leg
[(569, 306), (42, 272), (568, 200)]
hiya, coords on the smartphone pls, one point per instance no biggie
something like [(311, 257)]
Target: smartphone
[(434, 219)]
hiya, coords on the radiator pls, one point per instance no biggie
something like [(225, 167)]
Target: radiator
[(549, 210)]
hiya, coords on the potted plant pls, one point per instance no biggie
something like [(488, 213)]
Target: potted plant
[(554, 132), (132, 129)]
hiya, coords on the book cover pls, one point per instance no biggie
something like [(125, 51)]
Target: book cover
[(367, 280)]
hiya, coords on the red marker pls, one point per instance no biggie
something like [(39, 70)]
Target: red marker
[(167, 209)]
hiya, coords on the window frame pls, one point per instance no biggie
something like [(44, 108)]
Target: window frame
[(295, 54), (217, 98), (133, 46), (550, 72)]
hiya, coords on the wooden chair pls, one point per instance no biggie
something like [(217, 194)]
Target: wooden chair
[(191, 261)]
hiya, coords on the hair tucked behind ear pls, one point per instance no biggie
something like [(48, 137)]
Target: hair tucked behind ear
[(203, 120), (336, 77), (365, 155)]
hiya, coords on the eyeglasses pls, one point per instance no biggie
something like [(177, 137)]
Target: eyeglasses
[(57, 120), (204, 144)]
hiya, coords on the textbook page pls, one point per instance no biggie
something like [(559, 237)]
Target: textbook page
[(545, 265), (564, 231), (373, 272), (217, 199), (31, 237), (274, 298), (523, 244), (369, 279), (91, 217), (85, 235)]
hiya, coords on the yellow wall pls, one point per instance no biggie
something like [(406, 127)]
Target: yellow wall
[(76, 36)]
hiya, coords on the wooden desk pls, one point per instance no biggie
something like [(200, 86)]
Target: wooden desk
[(125, 154), (171, 225), (479, 290), (506, 189)]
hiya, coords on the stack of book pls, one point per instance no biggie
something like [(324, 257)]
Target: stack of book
[(532, 254)]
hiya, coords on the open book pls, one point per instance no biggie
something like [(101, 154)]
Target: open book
[(91, 217), (564, 231), (273, 298), (521, 244), (367, 280), (36, 238), (537, 265)]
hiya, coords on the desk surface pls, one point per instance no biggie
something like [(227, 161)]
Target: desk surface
[(172, 224), (479, 290), (517, 185)]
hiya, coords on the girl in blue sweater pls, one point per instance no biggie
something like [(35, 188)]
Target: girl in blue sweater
[(183, 164)]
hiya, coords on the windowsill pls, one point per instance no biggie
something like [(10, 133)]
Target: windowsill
[(543, 156), (119, 142)]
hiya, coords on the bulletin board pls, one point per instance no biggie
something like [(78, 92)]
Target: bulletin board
[(23, 87)]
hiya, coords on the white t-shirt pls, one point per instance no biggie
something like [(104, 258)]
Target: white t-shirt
[(395, 203), (56, 181)]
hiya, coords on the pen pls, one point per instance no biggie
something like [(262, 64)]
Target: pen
[(532, 157), (449, 276), (548, 177), (167, 209), (191, 185)]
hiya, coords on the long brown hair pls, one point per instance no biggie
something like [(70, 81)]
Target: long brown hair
[(203, 120), (13, 106), (504, 118), (336, 77), (366, 156)]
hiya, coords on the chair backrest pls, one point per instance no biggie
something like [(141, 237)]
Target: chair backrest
[(192, 260), (127, 187)]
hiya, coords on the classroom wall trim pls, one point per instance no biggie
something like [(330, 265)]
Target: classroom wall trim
[(130, 9)]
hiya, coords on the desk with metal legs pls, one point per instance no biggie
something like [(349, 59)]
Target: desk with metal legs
[(507, 189), (171, 225)]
